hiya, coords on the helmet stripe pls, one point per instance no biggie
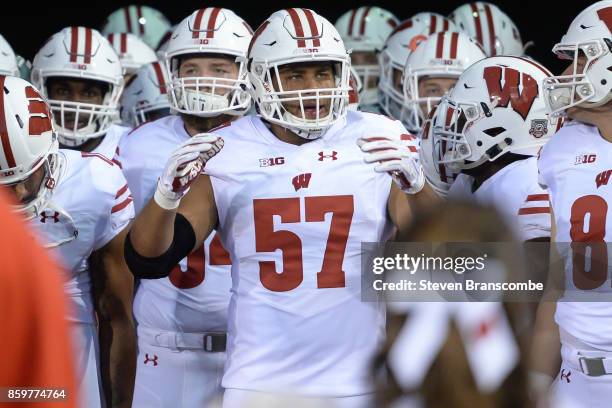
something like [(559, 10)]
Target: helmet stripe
[(128, 21), (477, 22), (433, 20), (362, 25), (141, 27), (88, 35), (454, 43), (197, 23), (74, 43), (299, 30), (212, 20), (314, 30), (6, 143), (491, 29), (440, 45), (123, 45), (248, 27), (445, 26), (160, 77), (352, 21)]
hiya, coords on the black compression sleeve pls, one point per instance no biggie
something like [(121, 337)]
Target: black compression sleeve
[(161, 266)]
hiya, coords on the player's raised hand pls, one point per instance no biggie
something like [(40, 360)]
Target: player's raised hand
[(398, 156), (183, 167)]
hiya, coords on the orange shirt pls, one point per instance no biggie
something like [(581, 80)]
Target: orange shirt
[(35, 349)]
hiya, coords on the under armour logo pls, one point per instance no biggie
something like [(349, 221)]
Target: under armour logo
[(301, 181), (565, 375), (54, 217), (323, 156), (153, 360)]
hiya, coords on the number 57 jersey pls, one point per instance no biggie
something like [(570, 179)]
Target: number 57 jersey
[(576, 165), (293, 219)]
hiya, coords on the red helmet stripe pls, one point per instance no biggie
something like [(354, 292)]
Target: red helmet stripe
[(445, 26), (74, 43), (362, 25), (432, 24), (299, 30), (141, 27), (491, 28), (256, 35), (314, 30), (111, 39), (197, 23), (160, 77), (123, 45), (352, 21), (88, 35), (440, 45), (454, 43), (128, 21), (477, 22), (212, 20), (6, 143)]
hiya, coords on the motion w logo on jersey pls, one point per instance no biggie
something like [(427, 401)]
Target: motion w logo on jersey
[(521, 99), (301, 181)]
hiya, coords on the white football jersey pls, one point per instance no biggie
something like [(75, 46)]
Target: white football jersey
[(111, 139), (195, 297), (576, 165), (514, 191), (293, 219), (91, 199)]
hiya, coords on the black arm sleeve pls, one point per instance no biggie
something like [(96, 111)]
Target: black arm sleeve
[(161, 266)]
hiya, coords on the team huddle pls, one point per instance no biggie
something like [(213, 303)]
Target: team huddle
[(207, 189)]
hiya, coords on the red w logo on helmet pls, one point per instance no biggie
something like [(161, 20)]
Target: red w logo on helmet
[(521, 100), (605, 15), (40, 117)]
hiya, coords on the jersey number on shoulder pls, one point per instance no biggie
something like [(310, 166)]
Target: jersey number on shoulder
[(267, 239), (194, 273), (589, 249)]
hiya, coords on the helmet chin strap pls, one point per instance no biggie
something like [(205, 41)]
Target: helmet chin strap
[(205, 101), (302, 126)]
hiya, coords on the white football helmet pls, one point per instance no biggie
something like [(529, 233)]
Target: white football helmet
[(146, 22), (146, 93), (80, 53), (210, 30), (404, 39), (292, 36), (365, 29), (496, 107), (8, 61), (490, 26), (356, 88), (444, 54), (133, 52), (588, 35), (29, 141), (438, 176)]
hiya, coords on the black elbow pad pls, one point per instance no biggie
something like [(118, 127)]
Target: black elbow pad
[(160, 266)]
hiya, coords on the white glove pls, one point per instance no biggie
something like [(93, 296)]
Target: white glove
[(183, 167), (398, 156)]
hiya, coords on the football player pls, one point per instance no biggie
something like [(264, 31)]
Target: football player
[(432, 70), (575, 167), (401, 43), (292, 198), (132, 51), (489, 129), (490, 27), (182, 340), (145, 98), (146, 22), (364, 31), (80, 74), (79, 204)]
